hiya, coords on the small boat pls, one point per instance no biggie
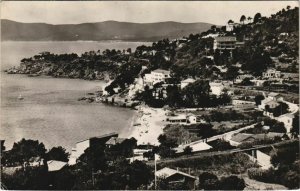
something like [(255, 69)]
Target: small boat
[(20, 97)]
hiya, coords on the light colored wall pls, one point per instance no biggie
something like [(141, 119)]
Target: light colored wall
[(263, 159), (81, 146)]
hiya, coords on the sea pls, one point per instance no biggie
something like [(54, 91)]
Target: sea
[(49, 110)]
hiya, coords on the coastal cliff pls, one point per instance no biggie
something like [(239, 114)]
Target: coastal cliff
[(89, 66)]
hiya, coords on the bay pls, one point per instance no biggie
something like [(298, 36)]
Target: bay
[(50, 111)]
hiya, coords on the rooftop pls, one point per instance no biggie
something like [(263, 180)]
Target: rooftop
[(225, 38), (101, 136), (115, 140), (273, 94), (240, 137), (244, 136), (200, 146), (167, 172), (188, 80), (289, 115), (54, 165), (178, 117), (268, 101), (166, 72)]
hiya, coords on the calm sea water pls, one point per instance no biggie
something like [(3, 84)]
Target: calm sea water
[(50, 111)]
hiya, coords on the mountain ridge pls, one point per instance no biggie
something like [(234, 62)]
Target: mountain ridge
[(106, 30)]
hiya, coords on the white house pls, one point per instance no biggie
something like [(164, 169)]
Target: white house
[(191, 119), (268, 102), (275, 96), (186, 82), (175, 176), (211, 35), (237, 102), (230, 26), (184, 119), (258, 82), (156, 76), (271, 74), (216, 88), (240, 78), (261, 158), (225, 42), (196, 147), (287, 119)]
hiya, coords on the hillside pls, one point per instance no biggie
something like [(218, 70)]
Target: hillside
[(107, 30), (267, 43)]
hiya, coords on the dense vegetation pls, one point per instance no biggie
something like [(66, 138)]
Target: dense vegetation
[(268, 42), (286, 162), (98, 168)]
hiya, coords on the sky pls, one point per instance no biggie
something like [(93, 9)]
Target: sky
[(68, 12)]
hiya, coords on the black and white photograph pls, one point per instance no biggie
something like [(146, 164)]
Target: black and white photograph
[(149, 95)]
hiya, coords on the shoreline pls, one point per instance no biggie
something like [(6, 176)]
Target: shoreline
[(147, 124)]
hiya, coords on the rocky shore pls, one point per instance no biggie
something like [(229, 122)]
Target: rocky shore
[(37, 68)]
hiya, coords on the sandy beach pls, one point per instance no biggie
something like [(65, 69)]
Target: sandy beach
[(147, 125)]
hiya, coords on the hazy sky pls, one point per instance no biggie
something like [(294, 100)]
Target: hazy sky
[(67, 12)]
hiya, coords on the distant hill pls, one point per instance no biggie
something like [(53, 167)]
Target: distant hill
[(107, 30)]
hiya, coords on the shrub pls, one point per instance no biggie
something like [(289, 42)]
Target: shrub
[(232, 183), (208, 181), (262, 175), (291, 179)]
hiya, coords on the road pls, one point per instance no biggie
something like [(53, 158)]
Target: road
[(214, 153), (226, 136)]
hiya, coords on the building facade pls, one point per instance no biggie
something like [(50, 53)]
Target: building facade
[(156, 76), (225, 42)]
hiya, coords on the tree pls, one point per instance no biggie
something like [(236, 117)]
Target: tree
[(221, 145), (242, 19), (173, 96), (213, 27), (278, 127), (232, 73), (123, 149), (139, 174), (230, 21), (288, 7), (208, 181), (94, 158), (205, 130), (166, 146), (2, 146), (284, 156), (58, 153), (29, 178), (232, 183), (197, 93), (258, 99), (257, 18), (23, 151), (292, 179), (187, 150), (247, 82), (249, 19), (281, 109), (258, 62), (129, 50), (64, 179)]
